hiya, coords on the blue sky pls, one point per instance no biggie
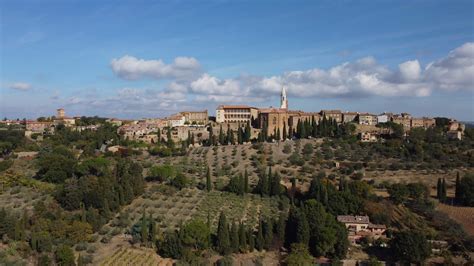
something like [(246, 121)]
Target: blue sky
[(133, 59)]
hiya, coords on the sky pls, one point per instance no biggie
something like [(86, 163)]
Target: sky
[(135, 59)]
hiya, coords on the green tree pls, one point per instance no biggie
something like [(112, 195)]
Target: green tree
[(242, 238), (268, 233), (260, 241), (466, 190), (223, 236), (410, 246), (299, 256), (170, 246), (64, 256), (246, 181), (457, 188), (195, 234), (208, 179), (234, 237)]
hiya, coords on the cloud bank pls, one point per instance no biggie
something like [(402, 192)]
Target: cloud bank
[(361, 78), (132, 68)]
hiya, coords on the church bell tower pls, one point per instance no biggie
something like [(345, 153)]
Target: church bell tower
[(283, 99)]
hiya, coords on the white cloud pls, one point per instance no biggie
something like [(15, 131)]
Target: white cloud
[(190, 89), (132, 68), (207, 84), (363, 77), (455, 71), (21, 86)]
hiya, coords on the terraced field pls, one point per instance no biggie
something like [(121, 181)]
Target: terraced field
[(135, 256)]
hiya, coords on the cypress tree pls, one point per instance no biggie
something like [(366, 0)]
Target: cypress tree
[(280, 228), (242, 238), (248, 132), (251, 239), (268, 233), (208, 179), (438, 189), (262, 186), (211, 135), (275, 188), (260, 241), (234, 238), (285, 133), (302, 229), (221, 136), (457, 193), (223, 238), (153, 231), (231, 137), (290, 227), (246, 181), (443, 190), (144, 229), (83, 213)]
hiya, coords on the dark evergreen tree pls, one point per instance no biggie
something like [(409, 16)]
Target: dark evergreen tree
[(246, 181), (262, 185), (223, 237), (302, 229), (456, 195), (280, 228), (275, 187), (221, 136), (208, 179), (439, 189), (242, 238), (234, 238), (268, 233), (251, 239), (260, 241)]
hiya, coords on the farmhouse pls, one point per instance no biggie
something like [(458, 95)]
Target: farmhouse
[(360, 226)]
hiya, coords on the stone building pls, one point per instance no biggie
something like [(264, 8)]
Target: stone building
[(367, 119), (332, 114), (360, 226), (235, 113), (195, 117), (402, 120), (349, 117)]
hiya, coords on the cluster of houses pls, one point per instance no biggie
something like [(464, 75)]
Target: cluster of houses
[(181, 126), (195, 123)]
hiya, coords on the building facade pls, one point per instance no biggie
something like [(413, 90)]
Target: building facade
[(235, 113), (195, 117), (367, 119)]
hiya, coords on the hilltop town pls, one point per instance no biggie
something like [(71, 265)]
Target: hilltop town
[(274, 124), (247, 186)]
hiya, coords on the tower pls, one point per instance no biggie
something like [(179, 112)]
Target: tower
[(60, 113), (283, 99)]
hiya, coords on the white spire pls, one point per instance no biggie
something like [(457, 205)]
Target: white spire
[(283, 99)]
